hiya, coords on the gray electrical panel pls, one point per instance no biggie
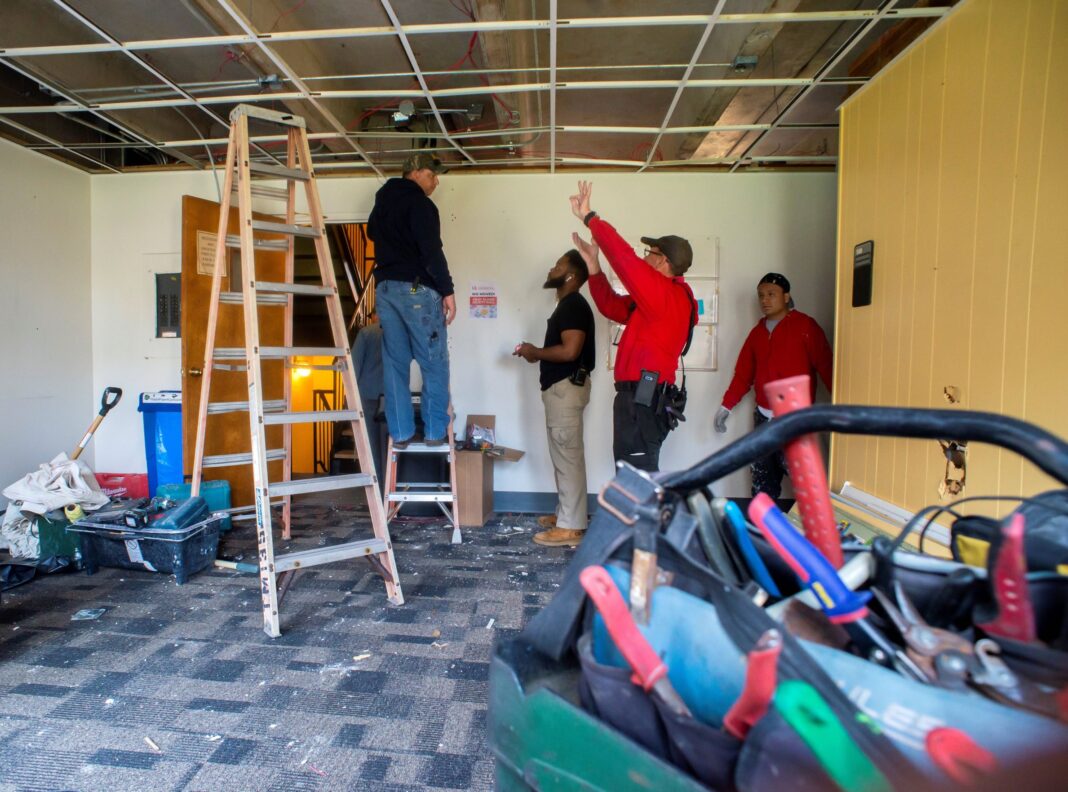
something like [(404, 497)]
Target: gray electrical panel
[(168, 305)]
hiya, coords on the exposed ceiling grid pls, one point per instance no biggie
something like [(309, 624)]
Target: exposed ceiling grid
[(700, 48), (345, 67), (422, 80)]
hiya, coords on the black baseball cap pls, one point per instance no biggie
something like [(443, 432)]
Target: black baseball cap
[(675, 248), (775, 279), (423, 160)]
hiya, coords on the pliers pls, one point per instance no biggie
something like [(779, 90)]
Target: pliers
[(952, 661), (947, 659)]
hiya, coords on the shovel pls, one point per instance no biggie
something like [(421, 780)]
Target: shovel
[(107, 401)]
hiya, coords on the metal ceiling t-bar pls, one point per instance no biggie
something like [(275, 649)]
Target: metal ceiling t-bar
[(399, 28), (552, 86), (390, 134), (418, 93), (305, 93), (685, 78), (471, 27), (845, 49)]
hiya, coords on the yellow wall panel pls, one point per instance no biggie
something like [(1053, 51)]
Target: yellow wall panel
[(949, 163)]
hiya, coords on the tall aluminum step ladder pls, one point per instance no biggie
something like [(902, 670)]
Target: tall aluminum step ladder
[(276, 571), (444, 493)]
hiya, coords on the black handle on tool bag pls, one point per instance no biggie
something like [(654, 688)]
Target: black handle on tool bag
[(1048, 452), (105, 403)]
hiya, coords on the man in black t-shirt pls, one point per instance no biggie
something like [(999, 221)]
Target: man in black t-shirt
[(566, 359)]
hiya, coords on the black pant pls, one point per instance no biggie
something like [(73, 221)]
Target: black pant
[(767, 472), (377, 436), (637, 433)]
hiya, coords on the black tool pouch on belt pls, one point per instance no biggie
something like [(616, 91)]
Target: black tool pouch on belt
[(673, 404)]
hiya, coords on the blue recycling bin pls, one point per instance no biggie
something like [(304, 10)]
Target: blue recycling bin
[(162, 411)]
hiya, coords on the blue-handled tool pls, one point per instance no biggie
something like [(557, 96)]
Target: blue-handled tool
[(842, 606), (757, 568), (811, 567)]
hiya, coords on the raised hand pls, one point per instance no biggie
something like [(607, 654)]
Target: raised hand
[(589, 251), (580, 204)]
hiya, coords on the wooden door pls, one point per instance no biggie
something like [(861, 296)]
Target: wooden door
[(228, 433)]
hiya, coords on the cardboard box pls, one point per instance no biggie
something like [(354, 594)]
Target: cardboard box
[(474, 475)]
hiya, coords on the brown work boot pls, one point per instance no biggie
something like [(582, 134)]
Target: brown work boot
[(559, 537), (547, 521)]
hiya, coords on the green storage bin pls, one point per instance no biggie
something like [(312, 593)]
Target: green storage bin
[(216, 493), (53, 536)]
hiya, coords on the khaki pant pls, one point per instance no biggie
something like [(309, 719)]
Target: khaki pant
[(564, 404)]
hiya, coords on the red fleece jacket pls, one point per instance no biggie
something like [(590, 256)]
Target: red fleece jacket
[(656, 311), (796, 346)]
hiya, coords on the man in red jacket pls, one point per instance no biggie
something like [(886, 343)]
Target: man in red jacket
[(658, 313), (785, 343)]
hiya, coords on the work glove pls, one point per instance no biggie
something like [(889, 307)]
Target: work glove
[(720, 421)]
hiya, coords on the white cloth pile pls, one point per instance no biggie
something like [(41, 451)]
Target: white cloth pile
[(56, 485)]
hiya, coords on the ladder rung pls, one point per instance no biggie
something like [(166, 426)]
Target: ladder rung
[(278, 171), (266, 191), (345, 455), (234, 241), (272, 406), (264, 114), (423, 448), (236, 298), (228, 460), (311, 417), (338, 365), (329, 554), (276, 353), (320, 484), (315, 290), (287, 352), (267, 227), (419, 497)]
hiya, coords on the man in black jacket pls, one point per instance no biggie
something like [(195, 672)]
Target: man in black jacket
[(414, 297)]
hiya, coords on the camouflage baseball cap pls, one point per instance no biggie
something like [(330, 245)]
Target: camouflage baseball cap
[(424, 159)]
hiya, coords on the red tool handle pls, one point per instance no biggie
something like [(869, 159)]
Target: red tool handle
[(644, 661), (760, 679), (958, 755), (806, 469), (1016, 616)]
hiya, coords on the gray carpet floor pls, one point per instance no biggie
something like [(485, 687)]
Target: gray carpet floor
[(178, 687)]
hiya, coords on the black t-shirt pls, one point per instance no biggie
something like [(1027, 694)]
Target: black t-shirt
[(572, 313)]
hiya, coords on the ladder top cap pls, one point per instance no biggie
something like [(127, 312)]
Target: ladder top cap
[(263, 114)]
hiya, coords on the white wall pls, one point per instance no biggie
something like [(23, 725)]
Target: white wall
[(137, 232), (508, 229), (46, 391)]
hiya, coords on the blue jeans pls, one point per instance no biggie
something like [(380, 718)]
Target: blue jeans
[(413, 328)]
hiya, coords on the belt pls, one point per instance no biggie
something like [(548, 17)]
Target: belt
[(626, 387)]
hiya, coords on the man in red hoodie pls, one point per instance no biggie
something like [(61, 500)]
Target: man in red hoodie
[(785, 343), (658, 313)]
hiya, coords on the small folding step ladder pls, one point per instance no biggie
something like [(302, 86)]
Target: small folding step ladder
[(395, 494), (276, 571)]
